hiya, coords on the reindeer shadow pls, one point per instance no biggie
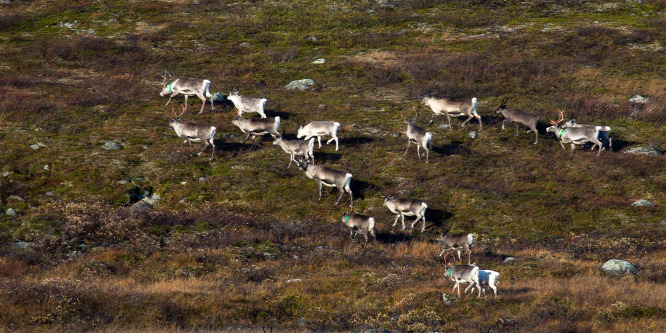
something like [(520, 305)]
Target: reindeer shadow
[(621, 144), (453, 148), (323, 156), (360, 188), (436, 218), (352, 141), (224, 103), (276, 113), (389, 237), (231, 146)]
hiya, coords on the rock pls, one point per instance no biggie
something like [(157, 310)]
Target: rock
[(448, 299), (293, 280), (15, 198), (385, 3), (642, 203), (473, 134), (152, 200), (10, 212), (140, 206), (46, 167), (219, 97), (301, 85), (639, 99), (50, 193), (35, 146), (319, 61), (444, 126), (5, 2), (6, 174), (617, 266), (75, 254), (509, 259), (311, 39), (123, 181), (110, 145), (83, 247), (22, 245), (645, 150)]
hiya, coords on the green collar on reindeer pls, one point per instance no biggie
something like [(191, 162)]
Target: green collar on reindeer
[(561, 132), (347, 218), (170, 87), (450, 270)]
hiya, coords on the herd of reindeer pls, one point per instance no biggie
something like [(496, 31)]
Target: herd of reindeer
[(303, 148)]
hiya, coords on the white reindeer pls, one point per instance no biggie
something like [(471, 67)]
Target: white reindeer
[(319, 129), (450, 107), (329, 177), (304, 148), (406, 206), (575, 135), (360, 224), (248, 104), (187, 87), (258, 126), (419, 136), (194, 132)]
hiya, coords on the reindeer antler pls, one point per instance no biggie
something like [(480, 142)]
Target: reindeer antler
[(448, 254), (561, 117)]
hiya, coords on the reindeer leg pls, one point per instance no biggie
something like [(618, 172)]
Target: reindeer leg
[(418, 150), (170, 97), (503, 121), (212, 153), (206, 144), (536, 136), (403, 220), (291, 159), (516, 129), (342, 192), (427, 154), (480, 122), (319, 181), (396, 220), (573, 146), (448, 118), (468, 119), (319, 140), (203, 99), (186, 97), (190, 143), (408, 143)]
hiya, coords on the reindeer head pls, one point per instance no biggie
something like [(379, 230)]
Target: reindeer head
[(166, 86), (502, 106), (302, 163), (175, 118), (556, 124)]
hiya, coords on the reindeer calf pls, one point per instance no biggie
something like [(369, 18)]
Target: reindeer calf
[(194, 132), (360, 224), (296, 147), (248, 104)]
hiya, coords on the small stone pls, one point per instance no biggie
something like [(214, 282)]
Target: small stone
[(75, 254), (46, 167), (473, 134), (645, 150), (15, 198), (183, 183), (152, 200), (448, 299), (6, 174), (319, 61), (202, 179), (219, 97), (110, 145), (35, 146), (642, 203), (639, 99), (49, 193), (311, 38), (301, 85), (617, 266), (22, 245), (144, 147), (123, 181), (293, 280), (5, 2), (10, 212), (444, 126), (509, 259), (83, 247)]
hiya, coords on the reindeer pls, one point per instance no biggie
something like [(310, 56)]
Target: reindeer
[(247, 104), (519, 117), (258, 126), (419, 136), (488, 278), (463, 273), (187, 86), (296, 147), (319, 129), (405, 206), (360, 224), (193, 132), (575, 135), (450, 107), (459, 242), (329, 177), (603, 133)]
